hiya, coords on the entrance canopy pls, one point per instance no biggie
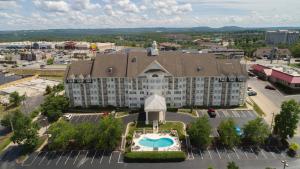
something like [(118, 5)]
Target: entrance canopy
[(155, 108), (155, 103)]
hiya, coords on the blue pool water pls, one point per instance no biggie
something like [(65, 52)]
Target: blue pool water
[(161, 142)]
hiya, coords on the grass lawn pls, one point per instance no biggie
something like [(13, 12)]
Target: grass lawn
[(296, 65), (258, 109), (120, 114), (4, 141), (188, 111)]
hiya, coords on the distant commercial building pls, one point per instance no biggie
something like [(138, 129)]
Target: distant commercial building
[(280, 74), (129, 78), (166, 46), (281, 37), (266, 53), (28, 56), (225, 52)]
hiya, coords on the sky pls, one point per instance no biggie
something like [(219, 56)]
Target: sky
[(79, 14)]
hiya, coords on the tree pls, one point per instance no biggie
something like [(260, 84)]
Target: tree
[(110, 132), (86, 136), (232, 165), (62, 133), (286, 122), (295, 50), (15, 99), (54, 106), (25, 133), (199, 132), (228, 135), (256, 131), (50, 61)]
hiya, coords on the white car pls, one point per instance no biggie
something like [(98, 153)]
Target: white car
[(68, 116)]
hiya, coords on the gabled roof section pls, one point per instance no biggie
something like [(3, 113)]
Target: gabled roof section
[(154, 67)]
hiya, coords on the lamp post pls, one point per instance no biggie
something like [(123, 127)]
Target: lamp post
[(285, 163)]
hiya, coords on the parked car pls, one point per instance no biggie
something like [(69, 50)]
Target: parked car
[(238, 130), (251, 93), (270, 87), (68, 116), (211, 112)]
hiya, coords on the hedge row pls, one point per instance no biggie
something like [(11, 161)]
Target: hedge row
[(170, 156)]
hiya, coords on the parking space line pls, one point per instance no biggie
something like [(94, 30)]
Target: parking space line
[(242, 114), (94, 157), (50, 158), (218, 153), (102, 157), (209, 153), (225, 113), (262, 152), (250, 113), (201, 154), (253, 153), (76, 157), (282, 155), (237, 155), (217, 113), (68, 157), (110, 157), (120, 157), (35, 158), (96, 118), (60, 158), (227, 153), (91, 117), (246, 154), (43, 158), (273, 154)]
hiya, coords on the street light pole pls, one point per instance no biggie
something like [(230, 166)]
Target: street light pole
[(285, 163)]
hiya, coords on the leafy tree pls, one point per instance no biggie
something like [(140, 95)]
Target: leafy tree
[(54, 106), (62, 133), (286, 122), (5, 121), (48, 90), (50, 61), (232, 165), (228, 135), (199, 132), (110, 133), (25, 133), (85, 135), (256, 131), (15, 99), (295, 49)]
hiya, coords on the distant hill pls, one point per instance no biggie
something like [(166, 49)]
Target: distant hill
[(78, 33)]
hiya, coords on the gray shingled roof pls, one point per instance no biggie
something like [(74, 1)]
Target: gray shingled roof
[(177, 63)]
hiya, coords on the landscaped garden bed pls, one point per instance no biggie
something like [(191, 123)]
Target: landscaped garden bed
[(176, 156)]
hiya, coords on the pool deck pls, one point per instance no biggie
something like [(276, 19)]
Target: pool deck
[(138, 147)]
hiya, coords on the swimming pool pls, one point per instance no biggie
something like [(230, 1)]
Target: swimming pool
[(160, 142)]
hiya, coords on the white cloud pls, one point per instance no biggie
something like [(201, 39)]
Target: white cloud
[(8, 4), (52, 5)]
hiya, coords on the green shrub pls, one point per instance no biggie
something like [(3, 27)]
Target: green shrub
[(171, 156)]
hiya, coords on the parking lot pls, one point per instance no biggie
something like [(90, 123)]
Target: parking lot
[(76, 119), (74, 159), (222, 113), (249, 153)]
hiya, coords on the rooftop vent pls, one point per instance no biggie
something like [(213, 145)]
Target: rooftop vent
[(110, 70), (133, 60), (199, 68)]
